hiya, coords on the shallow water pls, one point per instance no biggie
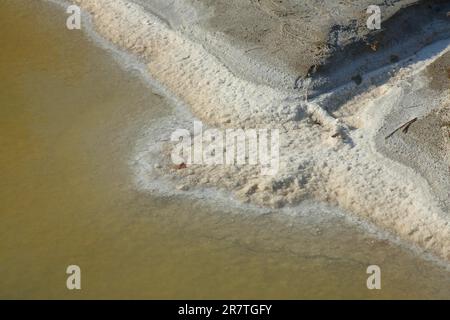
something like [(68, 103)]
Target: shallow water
[(69, 118)]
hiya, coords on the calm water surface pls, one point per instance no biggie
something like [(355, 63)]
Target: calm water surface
[(69, 115)]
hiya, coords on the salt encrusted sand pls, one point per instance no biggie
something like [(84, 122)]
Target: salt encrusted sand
[(350, 170)]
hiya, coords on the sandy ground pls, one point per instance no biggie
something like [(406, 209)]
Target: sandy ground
[(281, 43), (333, 147), (426, 145)]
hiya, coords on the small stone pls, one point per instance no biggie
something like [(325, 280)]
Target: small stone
[(357, 79), (181, 166), (394, 58), (182, 187)]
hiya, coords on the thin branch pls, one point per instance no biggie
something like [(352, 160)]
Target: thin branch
[(404, 128)]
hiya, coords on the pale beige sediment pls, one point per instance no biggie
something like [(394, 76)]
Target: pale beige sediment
[(356, 177)]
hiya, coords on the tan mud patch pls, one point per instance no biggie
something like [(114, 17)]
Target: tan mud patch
[(439, 73), (432, 131)]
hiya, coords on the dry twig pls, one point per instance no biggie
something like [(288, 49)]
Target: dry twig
[(404, 127)]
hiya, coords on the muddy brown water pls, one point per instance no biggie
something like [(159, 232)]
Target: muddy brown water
[(69, 114)]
